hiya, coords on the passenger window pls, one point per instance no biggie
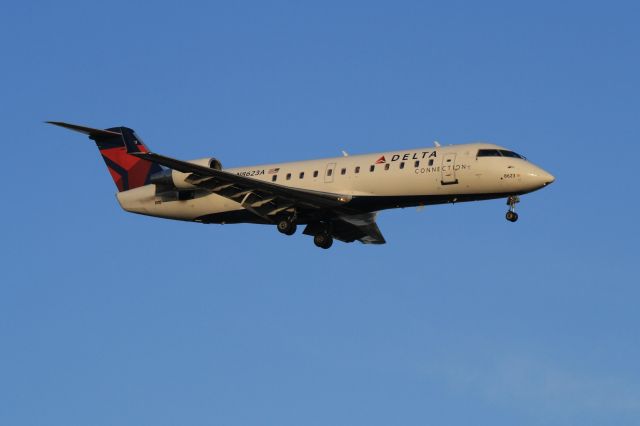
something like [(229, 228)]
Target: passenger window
[(386, 166), (288, 176), (431, 162), (273, 178), (343, 171), (358, 169), (402, 165), (372, 168), (315, 173), (416, 164), (329, 172), (301, 175)]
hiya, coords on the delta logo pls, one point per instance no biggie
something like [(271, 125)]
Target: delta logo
[(381, 160)]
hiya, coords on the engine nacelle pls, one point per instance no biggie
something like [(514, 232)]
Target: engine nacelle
[(179, 177), (211, 162), (176, 179)]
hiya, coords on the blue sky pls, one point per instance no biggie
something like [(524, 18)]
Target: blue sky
[(462, 318)]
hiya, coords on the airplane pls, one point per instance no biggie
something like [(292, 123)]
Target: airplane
[(336, 198)]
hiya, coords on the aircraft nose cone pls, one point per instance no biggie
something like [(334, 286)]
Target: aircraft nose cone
[(548, 178), (539, 178)]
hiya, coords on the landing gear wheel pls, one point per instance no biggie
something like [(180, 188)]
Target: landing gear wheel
[(512, 216), (287, 227), (323, 240)]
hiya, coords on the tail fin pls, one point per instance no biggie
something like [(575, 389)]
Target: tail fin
[(115, 143)]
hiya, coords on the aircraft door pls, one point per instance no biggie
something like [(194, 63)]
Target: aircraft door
[(329, 172), (448, 169)]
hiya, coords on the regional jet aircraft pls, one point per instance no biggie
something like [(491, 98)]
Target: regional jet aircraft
[(336, 198)]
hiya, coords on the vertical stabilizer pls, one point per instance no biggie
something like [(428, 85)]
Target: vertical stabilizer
[(115, 144)]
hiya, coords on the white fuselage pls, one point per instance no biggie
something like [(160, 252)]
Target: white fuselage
[(420, 176)]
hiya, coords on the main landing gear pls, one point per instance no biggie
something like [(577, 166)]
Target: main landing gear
[(323, 240), (322, 234), (511, 215), (287, 226), (320, 231)]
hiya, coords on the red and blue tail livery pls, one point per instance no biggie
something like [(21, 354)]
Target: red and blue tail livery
[(116, 145)]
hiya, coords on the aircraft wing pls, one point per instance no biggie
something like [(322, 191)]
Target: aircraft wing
[(265, 199)]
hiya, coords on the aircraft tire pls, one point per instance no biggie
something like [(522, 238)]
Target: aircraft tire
[(323, 240), (512, 216), (286, 227)]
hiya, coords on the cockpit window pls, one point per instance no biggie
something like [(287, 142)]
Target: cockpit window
[(498, 153), (511, 154), (488, 153)]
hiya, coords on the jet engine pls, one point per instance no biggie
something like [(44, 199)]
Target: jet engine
[(174, 179)]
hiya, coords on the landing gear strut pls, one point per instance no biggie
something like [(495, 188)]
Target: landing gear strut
[(511, 215), (287, 227), (323, 240)]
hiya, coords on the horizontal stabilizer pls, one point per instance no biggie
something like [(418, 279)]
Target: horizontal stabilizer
[(86, 130)]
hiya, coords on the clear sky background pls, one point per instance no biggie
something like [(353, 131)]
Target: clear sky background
[(462, 318)]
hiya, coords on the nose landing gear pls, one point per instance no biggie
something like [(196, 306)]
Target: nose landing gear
[(511, 215)]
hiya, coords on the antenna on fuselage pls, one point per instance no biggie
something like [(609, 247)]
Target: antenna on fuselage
[(345, 154), (436, 144)]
